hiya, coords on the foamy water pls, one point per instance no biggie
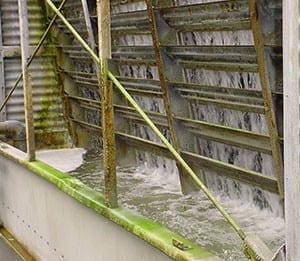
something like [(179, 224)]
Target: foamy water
[(153, 189), (62, 159), (155, 194)]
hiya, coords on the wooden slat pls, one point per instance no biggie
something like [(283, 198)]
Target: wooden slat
[(267, 95)]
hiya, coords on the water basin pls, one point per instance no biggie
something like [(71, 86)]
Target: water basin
[(155, 194)]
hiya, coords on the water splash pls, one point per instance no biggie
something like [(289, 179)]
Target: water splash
[(155, 194)]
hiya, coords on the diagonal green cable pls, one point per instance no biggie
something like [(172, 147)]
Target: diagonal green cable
[(176, 155)]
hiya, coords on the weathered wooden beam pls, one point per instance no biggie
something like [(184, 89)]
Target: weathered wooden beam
[(106, 89), (27, 88), (161, 72), (164, 68), (267, 95), (2, 77)]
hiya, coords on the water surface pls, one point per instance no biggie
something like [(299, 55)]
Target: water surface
[(155, 194)]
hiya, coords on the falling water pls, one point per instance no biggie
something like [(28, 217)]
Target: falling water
[(154, 104), (153, 189), (255, 122), (155, 193), (252, 160)]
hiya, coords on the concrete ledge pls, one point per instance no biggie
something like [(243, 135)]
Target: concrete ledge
[(16, 168)]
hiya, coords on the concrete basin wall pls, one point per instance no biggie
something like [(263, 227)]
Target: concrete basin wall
[(58, 218)]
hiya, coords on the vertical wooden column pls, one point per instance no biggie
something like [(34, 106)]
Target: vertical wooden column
[(24, 39), (104, 45), (291, 83), (168, 70), (267, 96), (2, 78), (161, 72)]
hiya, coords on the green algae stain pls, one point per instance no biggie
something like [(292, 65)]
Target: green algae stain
[(153, 233)]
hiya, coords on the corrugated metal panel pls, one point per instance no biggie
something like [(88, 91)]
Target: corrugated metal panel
[(45, 92), (47, 104), (10, 22)]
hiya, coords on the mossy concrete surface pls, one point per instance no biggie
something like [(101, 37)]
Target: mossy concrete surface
[(170, 243)]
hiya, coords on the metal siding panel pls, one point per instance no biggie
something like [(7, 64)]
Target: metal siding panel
[(47, 105), (10, 20), (11, 32), (12, 68)]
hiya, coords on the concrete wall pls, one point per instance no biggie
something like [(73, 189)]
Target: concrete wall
[(56, 226), (291, 52)]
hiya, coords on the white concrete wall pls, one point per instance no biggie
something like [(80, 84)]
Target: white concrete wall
[(57, 227), (291, 52), (58, 218)]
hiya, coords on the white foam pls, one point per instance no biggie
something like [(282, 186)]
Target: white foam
[(62, 159), (155, 194)]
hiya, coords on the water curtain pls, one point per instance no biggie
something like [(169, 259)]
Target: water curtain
[(254, 247)]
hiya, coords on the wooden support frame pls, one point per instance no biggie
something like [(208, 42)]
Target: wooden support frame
[(106, 90), (267, 95), (2, 77), (187, 184), (103, 15), (161, 72), (27, 88)]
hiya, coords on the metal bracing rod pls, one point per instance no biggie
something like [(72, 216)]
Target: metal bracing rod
[(176, 155), (88, 24), (267, 96), (35, 51), (107, 107)]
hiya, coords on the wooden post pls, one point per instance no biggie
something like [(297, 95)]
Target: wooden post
[(103, 13), (2, 82), (24, 39), (167, 71), (291, 77), (267, 96)]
